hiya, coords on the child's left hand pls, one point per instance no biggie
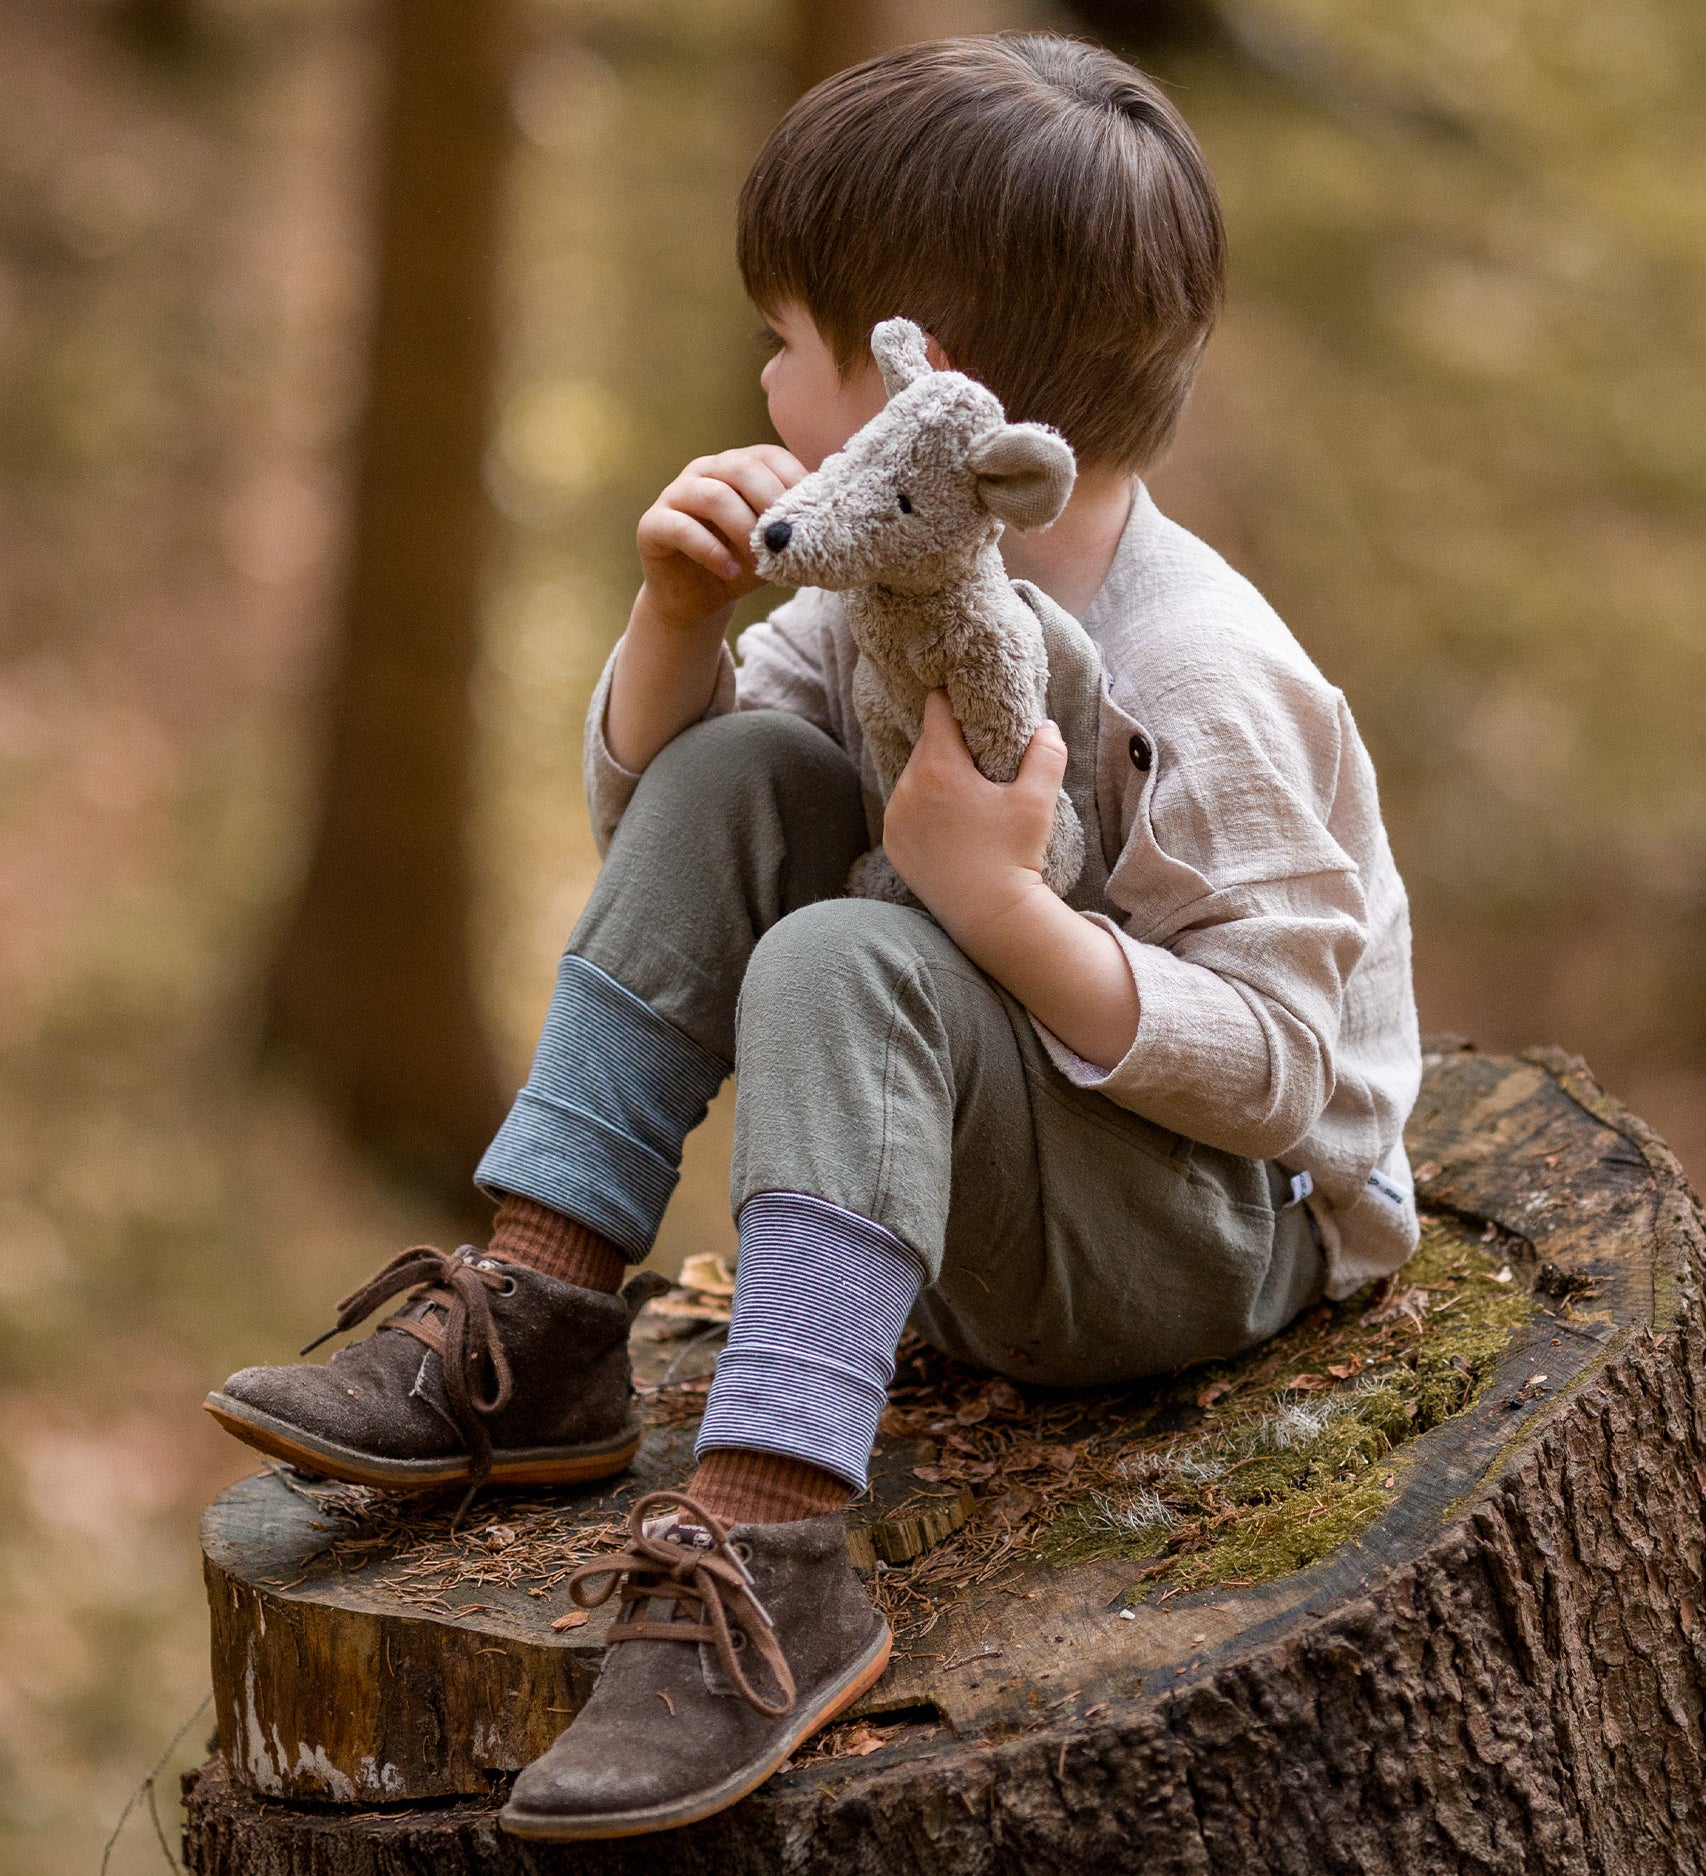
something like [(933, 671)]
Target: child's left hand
[(971, 849)]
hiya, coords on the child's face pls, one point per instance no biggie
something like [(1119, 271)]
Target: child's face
[(815, 410)]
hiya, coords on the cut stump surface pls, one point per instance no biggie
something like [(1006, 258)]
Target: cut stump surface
[(1454, 1624)]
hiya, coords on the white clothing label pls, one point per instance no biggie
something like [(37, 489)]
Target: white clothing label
[(1302, 1184), (1387, 1191)]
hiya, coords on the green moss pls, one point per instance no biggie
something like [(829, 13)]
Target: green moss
[(1300, 1446)]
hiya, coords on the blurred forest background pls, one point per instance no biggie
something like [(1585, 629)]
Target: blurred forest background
[(260, 657)]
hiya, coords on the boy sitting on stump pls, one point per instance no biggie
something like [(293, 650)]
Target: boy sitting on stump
[(1072, 1142)]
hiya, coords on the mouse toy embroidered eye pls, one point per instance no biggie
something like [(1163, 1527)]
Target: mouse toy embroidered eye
[(905, 503)]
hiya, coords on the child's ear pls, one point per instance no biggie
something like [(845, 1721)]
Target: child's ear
[(1025, 473), (898, 346)]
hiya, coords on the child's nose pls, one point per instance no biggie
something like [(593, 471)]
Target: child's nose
[(777, 536)]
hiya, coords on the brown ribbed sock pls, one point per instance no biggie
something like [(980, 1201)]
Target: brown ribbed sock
[(526, 1232), (764, 1488)]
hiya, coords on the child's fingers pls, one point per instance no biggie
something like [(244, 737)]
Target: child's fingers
[(1043, 765), (760, 474), (941, 746), (940, 724), (783, 464), (718, 507), (670, 530), (755, 484)]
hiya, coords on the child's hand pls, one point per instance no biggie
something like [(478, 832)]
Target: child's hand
[(694, 537), (970, 848)]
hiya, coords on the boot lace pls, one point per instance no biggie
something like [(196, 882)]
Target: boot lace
[(459, 1286), (709, 1580)]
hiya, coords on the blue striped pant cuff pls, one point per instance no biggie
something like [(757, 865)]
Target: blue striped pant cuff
[(821, 1298), (613, 1093)]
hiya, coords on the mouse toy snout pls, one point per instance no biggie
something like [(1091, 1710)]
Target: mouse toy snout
[(777, 536)]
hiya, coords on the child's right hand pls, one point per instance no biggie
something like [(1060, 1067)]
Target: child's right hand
[(694, 539)]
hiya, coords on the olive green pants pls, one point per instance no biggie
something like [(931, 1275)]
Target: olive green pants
[(1063, 1239)]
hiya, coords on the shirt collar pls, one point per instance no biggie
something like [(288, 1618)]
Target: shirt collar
[(1142, 526)]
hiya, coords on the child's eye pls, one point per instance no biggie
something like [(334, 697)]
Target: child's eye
[(905, 503), (771, 339)]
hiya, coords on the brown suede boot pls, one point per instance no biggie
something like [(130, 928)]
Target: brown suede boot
[(735, 1645), (490, 1371)]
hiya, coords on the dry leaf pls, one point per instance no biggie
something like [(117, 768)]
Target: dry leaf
[(934, 1475), (865, 1740), (973, 1411), (1004, 1398), (707, 1272), (685, 1306), (576, 1618), (1343, 1370), (499, 1536), (1307, 1384), (1207, 1396), (1391, 1301)]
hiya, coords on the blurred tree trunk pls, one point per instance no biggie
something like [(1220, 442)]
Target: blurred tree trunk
[(156, 25), (375, 984), (1140, 27), (832, 34)]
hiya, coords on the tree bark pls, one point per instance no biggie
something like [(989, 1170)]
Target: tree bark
[(333, 1639), (375, 984), (1505, 1673)]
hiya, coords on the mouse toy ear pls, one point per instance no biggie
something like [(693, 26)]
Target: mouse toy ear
[(1024, 473), (898, 347)]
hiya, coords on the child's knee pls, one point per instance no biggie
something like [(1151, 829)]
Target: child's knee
[(822, 955), (748, 749)]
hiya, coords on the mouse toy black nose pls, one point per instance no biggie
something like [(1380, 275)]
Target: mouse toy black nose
[(777, 536)]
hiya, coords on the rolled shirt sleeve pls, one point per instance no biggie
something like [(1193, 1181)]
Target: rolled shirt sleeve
[(788, 661), (1244, 918), (609, 786), (1236, 1028)]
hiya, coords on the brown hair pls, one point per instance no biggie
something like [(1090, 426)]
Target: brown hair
[(1034, 202)]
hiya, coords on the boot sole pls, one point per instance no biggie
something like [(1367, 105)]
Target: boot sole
[(521, 1465), (835, 1699)]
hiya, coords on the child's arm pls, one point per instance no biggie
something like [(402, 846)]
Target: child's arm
[(1230, 1022), (972, 850), (697, 563)]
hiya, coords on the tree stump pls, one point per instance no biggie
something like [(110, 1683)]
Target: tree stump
[(1416, 1587)]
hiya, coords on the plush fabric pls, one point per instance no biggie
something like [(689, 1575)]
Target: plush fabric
[(905, 521), (1249, 879), (1061, 1238)]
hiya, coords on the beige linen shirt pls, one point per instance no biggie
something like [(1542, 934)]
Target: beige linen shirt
[(1260, 912)]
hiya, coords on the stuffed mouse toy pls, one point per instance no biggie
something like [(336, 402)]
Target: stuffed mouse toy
[(903, 521)]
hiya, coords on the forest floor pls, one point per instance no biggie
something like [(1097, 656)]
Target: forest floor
[(182, 274)]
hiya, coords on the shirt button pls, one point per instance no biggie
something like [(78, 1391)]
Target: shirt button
[(1141, 755)]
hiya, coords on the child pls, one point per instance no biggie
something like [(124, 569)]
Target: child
[(1071, 1145)]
